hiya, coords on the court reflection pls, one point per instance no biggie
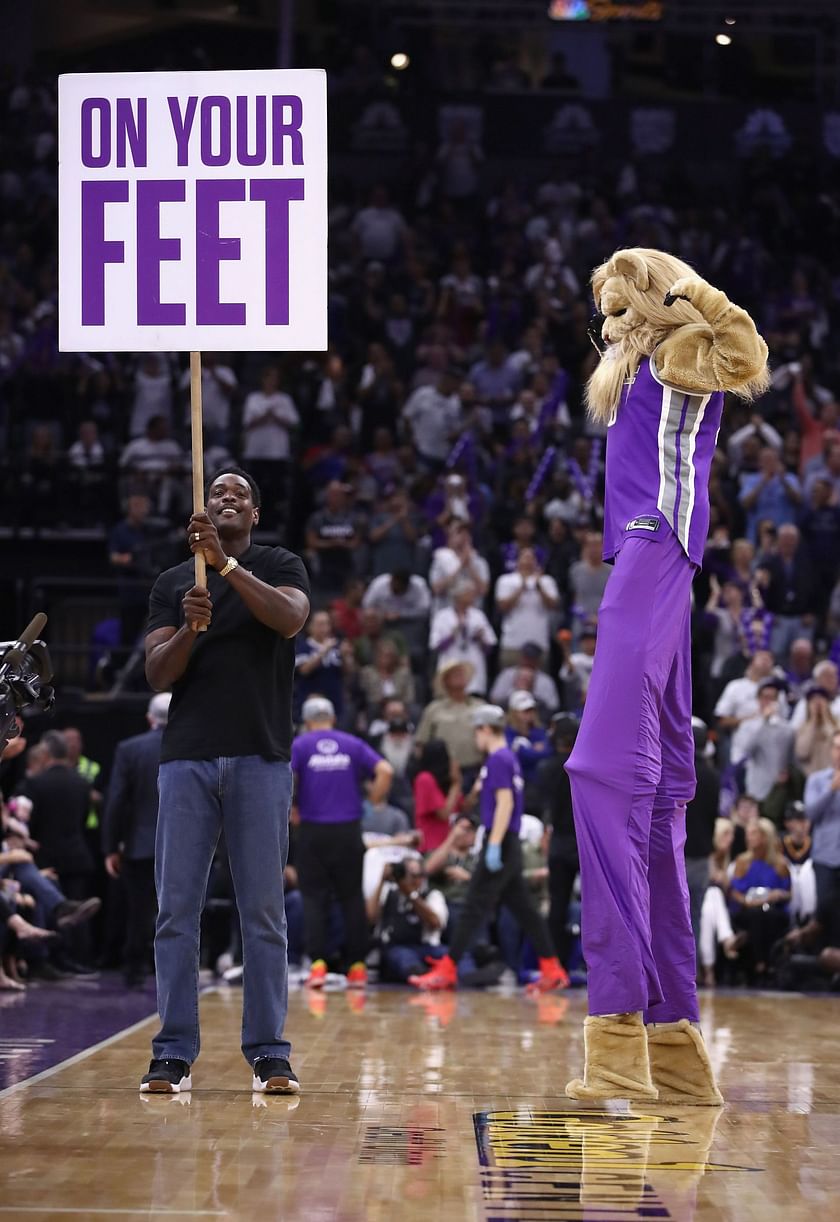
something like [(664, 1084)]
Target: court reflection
[(586, 1163)]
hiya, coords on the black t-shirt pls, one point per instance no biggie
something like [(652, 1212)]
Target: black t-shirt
[(235, 697)]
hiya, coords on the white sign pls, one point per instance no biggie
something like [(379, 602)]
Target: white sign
[(193, 211)]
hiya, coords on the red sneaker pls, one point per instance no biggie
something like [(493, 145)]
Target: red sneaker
[(443, 975), (552, 976), (317, 975), (357, 977)]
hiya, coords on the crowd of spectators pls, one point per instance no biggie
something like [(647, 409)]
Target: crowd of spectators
[(437, 473)]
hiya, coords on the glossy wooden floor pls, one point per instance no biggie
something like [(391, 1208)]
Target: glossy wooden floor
[(443, 1107)]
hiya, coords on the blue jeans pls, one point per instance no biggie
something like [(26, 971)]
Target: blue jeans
[(294, 921), (400, 962), (43, 890), (249, 797)]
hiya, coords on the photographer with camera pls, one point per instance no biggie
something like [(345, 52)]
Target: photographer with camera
[(409, 917)]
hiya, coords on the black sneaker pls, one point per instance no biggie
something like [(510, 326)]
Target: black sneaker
[(70, 913), (274, 1076), (46, 971), (167, 1078)]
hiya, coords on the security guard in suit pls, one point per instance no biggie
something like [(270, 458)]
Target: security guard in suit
[(131, 815)]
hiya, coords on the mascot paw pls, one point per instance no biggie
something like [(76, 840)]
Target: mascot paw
[(682, 290)]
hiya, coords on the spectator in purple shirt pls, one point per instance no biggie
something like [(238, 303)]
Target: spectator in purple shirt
[(330, 769), (498, 876)]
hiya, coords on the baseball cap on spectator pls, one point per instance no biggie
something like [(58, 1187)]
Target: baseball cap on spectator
[(490, 715), (521, 702), (814, 689), (316, 708), (588, 630), (772, 681), (532, 651), (158, 710), (564, 728), (701, 733), (795, 810)]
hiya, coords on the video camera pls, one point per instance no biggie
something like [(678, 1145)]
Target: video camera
[(25, 674)]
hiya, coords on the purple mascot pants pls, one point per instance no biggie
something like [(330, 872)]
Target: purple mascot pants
[(632, 773)]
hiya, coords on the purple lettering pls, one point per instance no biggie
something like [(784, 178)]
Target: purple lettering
[(277, 195), (222, 106), (281, 128), (102, 107), (152, 250), (211, 249), (131, 129), (96, 251), (182, 127), (242, 154)]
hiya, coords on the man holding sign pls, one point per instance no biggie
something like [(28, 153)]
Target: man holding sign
[(227, 653), (193, 216), (193, 211)]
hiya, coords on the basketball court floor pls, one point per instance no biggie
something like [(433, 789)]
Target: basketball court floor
[(447, 1106)]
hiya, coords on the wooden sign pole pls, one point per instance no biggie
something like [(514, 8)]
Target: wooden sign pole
[(197, 457)]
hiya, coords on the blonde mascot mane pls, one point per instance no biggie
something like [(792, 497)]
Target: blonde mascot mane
[(636, 281)]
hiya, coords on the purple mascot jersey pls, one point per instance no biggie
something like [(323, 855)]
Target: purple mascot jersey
[(632, 768), (659, 457)]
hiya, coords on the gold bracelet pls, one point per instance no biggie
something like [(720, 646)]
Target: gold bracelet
[(232, 563)]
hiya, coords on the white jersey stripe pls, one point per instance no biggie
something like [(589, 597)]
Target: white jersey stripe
[(663, 424), (692, 473)]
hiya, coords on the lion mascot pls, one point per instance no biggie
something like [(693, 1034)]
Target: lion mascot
[(671, 345)]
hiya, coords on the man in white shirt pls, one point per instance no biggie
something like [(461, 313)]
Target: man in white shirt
[(758, 428), (526, 600), (157, 463), (379, 228), (457, 560), (268, 416), (739, 699), (588, 579), (433, 415), (87, 452), (527, 676), (152, 392), (824, 675), (399, 596), (218, 386), (463, 633), (765, 741)]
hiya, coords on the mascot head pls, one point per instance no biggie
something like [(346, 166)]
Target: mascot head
[(630, 290)]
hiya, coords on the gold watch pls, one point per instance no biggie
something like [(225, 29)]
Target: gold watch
[(232, 563)]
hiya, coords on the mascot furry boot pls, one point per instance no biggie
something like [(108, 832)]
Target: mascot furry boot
[(617, 1061), (671, 346), (680, 1065)]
